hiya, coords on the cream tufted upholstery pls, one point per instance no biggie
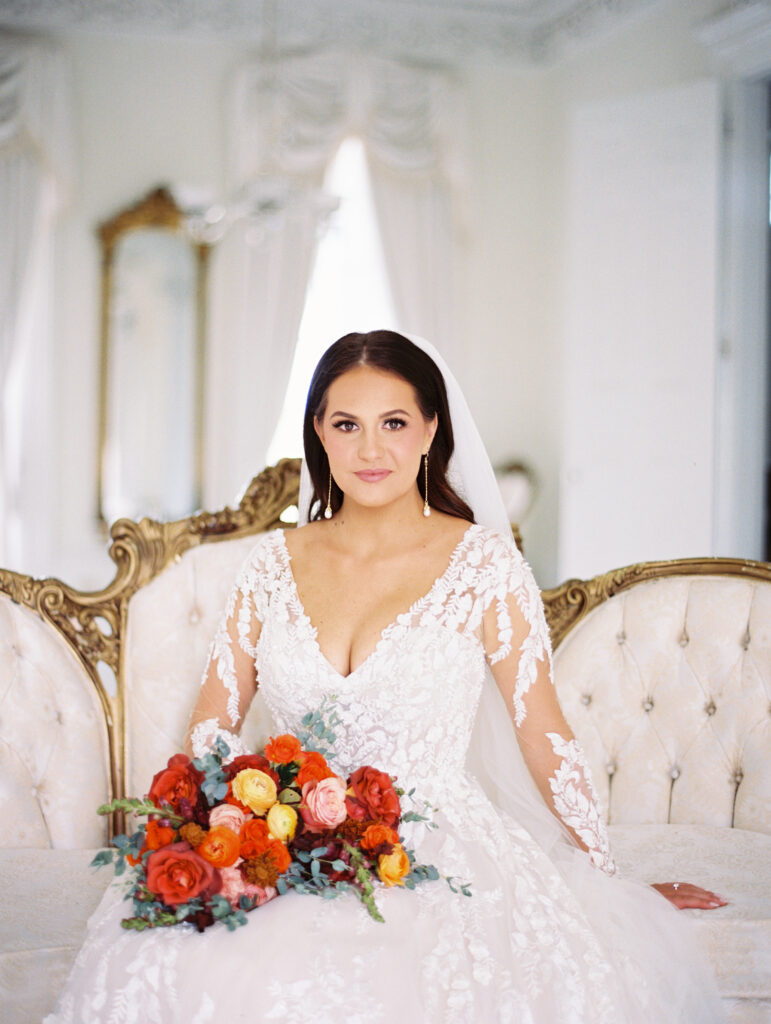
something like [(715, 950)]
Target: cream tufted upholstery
[(664, 673), (53, 742), (668, 686), (171, 622)]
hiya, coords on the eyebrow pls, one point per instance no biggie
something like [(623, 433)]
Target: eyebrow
[(391, 412)]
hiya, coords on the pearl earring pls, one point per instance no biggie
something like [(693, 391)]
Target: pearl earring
[(426, 506), (328, 509)]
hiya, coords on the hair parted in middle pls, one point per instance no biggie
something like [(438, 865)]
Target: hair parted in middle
[(391, 353)]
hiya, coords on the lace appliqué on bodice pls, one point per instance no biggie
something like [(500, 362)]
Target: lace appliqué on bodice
[(409, 707)]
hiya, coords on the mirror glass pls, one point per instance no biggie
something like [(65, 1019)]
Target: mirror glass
[(152, 357)]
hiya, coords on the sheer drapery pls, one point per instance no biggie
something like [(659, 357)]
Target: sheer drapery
[(287, 119), (35, 162)]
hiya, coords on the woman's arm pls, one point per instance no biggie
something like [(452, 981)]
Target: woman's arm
[(519, 651), (230, 679)]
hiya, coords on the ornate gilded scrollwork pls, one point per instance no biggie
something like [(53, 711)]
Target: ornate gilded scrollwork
[(93, 624), (569, 602)]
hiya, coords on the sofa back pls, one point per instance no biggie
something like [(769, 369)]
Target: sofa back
[(54, 745), (663, 669), (665, 677)]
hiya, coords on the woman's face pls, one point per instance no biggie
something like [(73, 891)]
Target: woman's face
[(375, 435)]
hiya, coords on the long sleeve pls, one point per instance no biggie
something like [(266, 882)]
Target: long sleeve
[(519, 652), (230, 680)]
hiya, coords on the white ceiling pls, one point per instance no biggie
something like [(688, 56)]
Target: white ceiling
[(528, 31)]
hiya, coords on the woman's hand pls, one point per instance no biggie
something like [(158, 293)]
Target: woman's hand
[(683, 894)]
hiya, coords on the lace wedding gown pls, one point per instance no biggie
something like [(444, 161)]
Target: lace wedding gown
[(544, 938)]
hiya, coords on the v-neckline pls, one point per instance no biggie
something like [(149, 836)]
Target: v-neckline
[(385, 632)]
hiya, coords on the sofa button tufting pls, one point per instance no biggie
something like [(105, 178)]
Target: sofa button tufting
[(746, 640), (586, 699), (684, 639), (710, 708), (648, 704), (674, 773), (195, 616), (738, 775), (610, 768), (620, 637)]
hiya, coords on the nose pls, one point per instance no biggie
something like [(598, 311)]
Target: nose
[(370, 445)]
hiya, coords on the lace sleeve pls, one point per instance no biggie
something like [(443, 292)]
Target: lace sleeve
[(519, 651), (229, 680)]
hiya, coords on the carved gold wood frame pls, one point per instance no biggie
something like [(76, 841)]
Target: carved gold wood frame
[(569, 602), (94, 624), (156, 210)]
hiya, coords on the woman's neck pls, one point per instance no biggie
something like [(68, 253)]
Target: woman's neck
[(368, 528)]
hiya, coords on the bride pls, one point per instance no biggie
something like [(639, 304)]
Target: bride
[(405, 602)]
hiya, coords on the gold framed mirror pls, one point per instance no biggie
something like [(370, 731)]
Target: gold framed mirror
[(151, 376)]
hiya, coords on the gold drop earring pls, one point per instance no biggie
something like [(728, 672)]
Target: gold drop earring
[(328, 509), (426, 506)]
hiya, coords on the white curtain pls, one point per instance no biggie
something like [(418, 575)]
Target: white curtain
[(35, 161), (287, 119)]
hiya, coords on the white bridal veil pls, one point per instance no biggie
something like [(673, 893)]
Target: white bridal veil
[(494, 757)]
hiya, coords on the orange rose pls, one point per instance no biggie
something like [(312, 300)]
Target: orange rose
[(283, 749), (377, 837), (221, 847), (254, 837), (176, 874), (313, 768), (392, 867), (156, 836), (280, 855)]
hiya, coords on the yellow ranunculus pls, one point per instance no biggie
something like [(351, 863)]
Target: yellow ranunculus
[(255, 789), (282, 822), (392, 867)]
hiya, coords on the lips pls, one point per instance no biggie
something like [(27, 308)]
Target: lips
[(372, 476)]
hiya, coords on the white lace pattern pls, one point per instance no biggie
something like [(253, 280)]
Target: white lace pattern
[(534, 943)]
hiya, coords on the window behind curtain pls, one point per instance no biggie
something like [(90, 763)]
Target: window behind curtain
[(348, 289)]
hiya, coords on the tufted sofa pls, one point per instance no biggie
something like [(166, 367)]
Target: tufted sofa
[(664, 671)]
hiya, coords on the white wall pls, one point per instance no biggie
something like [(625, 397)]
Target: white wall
[(150, 112)]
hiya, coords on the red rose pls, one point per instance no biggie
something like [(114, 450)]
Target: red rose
[(176, 874), (373, 797), (179, 781)]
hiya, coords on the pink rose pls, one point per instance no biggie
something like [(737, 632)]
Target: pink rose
[(323, 804), (227, 816), (234, 885)]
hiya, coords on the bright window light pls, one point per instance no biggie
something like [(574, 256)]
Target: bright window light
[(348, 289)]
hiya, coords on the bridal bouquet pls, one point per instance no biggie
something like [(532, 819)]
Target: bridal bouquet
[(222, 838)]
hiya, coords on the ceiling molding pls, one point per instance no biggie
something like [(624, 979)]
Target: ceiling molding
[(739, 38), (520, 32)]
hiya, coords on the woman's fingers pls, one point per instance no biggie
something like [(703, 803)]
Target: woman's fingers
[(683, 895)]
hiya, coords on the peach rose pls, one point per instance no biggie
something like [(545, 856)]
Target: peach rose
[(234, 886), (255, 789), (176, 874), (392, 867), (227, 816), (323, 804), (283, 749), (282, 822)]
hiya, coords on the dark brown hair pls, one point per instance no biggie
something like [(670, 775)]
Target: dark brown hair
[(392, 353)]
